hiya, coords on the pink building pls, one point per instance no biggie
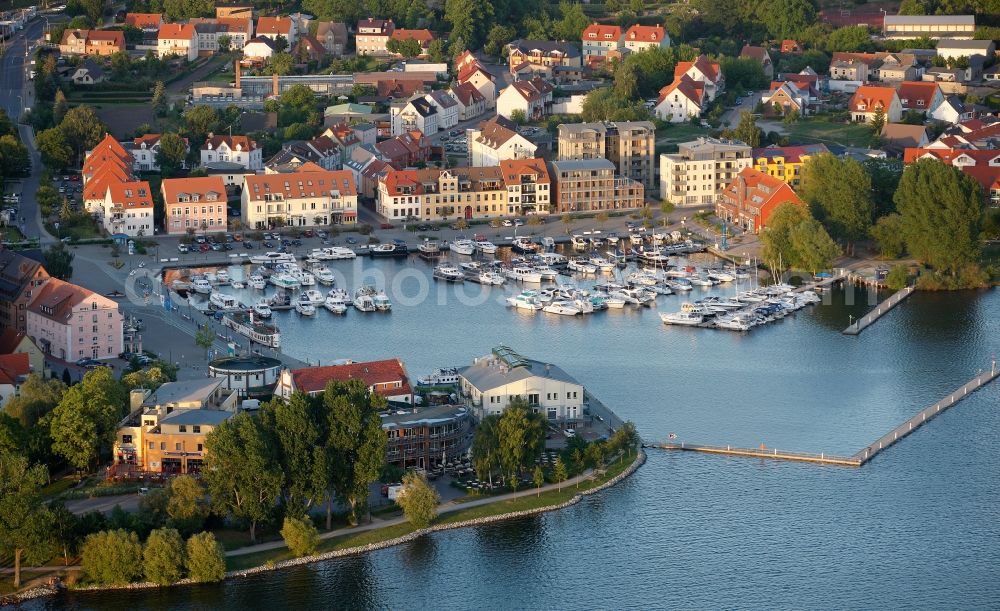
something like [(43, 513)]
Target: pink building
[(195, 204), (71, 322)]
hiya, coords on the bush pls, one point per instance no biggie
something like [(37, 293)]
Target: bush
[(418, 499), (163, 557), (112, 557), (898, 277), (206, 559), (300, 536)]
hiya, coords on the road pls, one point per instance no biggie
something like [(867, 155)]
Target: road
[(731, 118), (104, 504)]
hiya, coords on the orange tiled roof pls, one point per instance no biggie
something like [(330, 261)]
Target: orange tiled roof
[(871, 97), (131, 194), (647, 33), (274, 25), (56, 299), (686, 86), (913, 92), (144, 20), (372, 373), (176, 31), (174, 187), (710, 69), (308, 181), (513, 169), (600, 32)]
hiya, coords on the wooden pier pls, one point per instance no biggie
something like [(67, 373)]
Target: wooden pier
[(862, 456), (886, 441), (818, 284), (868, 319)]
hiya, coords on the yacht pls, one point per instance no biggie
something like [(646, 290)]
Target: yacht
[(613, 301), (307, 279), (312, 296), (284, 281), (549, 243), (578, 242), (282, 300), (602, 264), (363, 299), (333, 253), (200, 285), (524, 246), (429, 249), (701, 281), (490, 278), (381, 301), (304, 307), (471, 266), (581, 266), (273, 257), (486, 247), (448, 273), (733, 323), (524, 274), (323, 275), (222, 301), (547, 273), (720, 276), (642, 278), (336, 301), (565, 308), (680, 284), (682, 318), (527, 300), (653, 258), (554, 260), (257, 282), (462, 247), (222, 277), (262, 309), (441, 377), (389, 249), (245, 324), (236, 284)]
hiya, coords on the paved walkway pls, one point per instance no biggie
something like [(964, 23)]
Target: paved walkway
[(442, 509)]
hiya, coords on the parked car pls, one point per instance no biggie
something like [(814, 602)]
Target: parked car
[(182, 248), (308, 233), (508, 223), (227, 246), (352, 240), (321, 234), (216, 246), (84, 361), (387, 226), (268, 244), (204, 248), (248, 245)]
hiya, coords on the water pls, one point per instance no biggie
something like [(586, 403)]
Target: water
[(918, 527)]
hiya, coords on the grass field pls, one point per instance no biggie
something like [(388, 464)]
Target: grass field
[(819, 130)]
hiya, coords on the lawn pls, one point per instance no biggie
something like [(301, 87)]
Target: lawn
[(11, 234), (820, 130), (76, 231)]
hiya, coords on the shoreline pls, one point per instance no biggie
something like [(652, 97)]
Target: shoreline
[(638, 461)]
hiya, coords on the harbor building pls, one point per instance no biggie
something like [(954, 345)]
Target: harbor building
[(427, 437)]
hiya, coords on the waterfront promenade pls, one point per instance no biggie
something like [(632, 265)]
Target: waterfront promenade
[(883, 308)]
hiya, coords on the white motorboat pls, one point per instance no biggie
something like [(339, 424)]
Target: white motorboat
[(526, 300), (222, 277), (578, 242), (273, 257), (441, 377), (553, 259), (490, 278), (581, 266), (584, 304), (381, 301), (257, 282), (636, 239), (641, 296), (653, 258), (614, 302), (680, 284), (642, 278), (602, 264), (470, 266), (336, 301), (733, 323), (262, 309), (363, 299), (333, 253), (720, 276), (486, 247), (200, 285), (448, 273), (682, 318), (307, 279), (522, 273), (564, 308), (313, 296), (429, 249), (701, 281), (304, 308), (324, 275), (546, 272), (236, 284), (462, 247), (222, 301), (284, 281), (210, 276)]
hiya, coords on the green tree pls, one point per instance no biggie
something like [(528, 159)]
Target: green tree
[(65, 529), (280, 44), (59, 261), (300, 536), (839, 193), (521, 439), (170, 157), (898, 277), (201, 120), (559, 472), (747, 130), (187, 506), (303, 458), (814, 249), (24, 521), (59, 107), (876, 124), (573, 21), (941, 214), (743, 73), (666, 208), (87, 417), (163, 556), (888, 236), (204, 338), (407, 47), (356, 442), (436, 51), (518, 116), (486, 448), (242, 472), (14, 159), (595, 454), (112, 557), (626, 82), (538, 477), (224, 41), (851, 39), (885, 175), (206, 561), (470, 22), (281, 63), (498, 38), (82, 128), (159, 102), (418, 499), (778, 251), (149, 378), (786, 18), (36, 398), (56, 152)]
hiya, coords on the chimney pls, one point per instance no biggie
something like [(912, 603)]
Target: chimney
[(274, 84), (236, 71)]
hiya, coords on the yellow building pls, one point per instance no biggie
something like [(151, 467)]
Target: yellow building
[(785, 162)]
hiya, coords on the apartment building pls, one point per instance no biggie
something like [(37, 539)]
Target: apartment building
[(701, 169), (497, 140), (127, 209), (310, 197), (529, 187), (91, 42), (372, 35), (532, 97), (427, 437), (643, 37), (417, 114), (750, 199), (630, 145), (20, 279), (542, 55), (785, 162), (434, 194), (591, 184), (194, 204), (601, 42), (70, 322), (177, 39), (240, 150)]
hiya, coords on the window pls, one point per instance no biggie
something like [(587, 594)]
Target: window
[(152, 445), (200, 448), (177, 447), (126, 439), (163, 445), (183, 428)]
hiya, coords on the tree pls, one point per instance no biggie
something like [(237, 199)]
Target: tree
[(786, 18), (65, 528), (170, 157), (59, 107), (14, 159), (206, 561), (407, 47), (87, 417), (470, 22), (814, 249), (36, 398), (242, 472), (898, 277), (112, 557), (778, 251), (356, 442), (281, 63), (578, 465), (24, 521), (885, 175), (626, 82), (747, 130), (851, 39), (159, 102), (201, 120), (418, 499), (149, 378), (486, 448), (559, 472), (56, 152), (498, 38), (667, 208), (163, 556), (82, 128), (941, 215), (876, 124), (888, 236), (573, 21), (538, 477), (567, 220), (300, 536), (436, 51), (59, 261), (224, 41), (839, 193), (303, 460), (521, 439), (518, 116), (187, 507), (743, 73), (204, 338)]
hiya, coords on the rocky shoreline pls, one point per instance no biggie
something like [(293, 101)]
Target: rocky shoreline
[(640, 459)]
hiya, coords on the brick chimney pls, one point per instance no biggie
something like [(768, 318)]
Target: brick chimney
[(236, 71), (274, 84)]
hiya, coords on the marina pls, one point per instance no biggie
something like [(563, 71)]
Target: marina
[(883, 308)]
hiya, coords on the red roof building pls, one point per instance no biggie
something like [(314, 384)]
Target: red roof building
[(387, 378), (981, 165), (752, 197)]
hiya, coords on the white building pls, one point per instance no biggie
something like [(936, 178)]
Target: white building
[(309, 197), (642, 37), (232, 149), (497, 140), (493, 381), (701, 169), (446, 106), (144, 150), (471, 103), (418, 113), (532, 97), (177, 39), (680, 100)]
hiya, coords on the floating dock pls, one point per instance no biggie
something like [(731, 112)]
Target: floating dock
[(771, 453), (883, 308)]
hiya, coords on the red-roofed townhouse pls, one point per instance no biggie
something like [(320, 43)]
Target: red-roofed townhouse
[(482, 79), (405, 150), (981, 165), (642, 37), (92, 42), (703, 71), (195, 205), (239, 150), (308, 197), (919, 96), (387, 378), (127, 209), (601, 41), (533, 97), (424, 37), (14, 369), (13, 341), (529, 186), (177, 39), (70, 322), (681, 100), (273, 27), (471, 102), (751, 198), (868, 98)]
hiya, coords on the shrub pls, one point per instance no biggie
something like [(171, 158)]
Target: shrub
[(418, 499), (206, 560), (163, 557), (112, 557), (300, 536), (898, 277)]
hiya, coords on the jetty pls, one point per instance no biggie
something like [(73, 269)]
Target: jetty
[(823, 282), (868, 319), (863, 455)]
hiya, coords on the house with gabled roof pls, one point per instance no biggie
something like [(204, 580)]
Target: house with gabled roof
[(144, 150), (529, 186), (471, 102), (194, 205), (533, 97), (14, 370), (498, 140), (372, 35), (982, 165), (680, 100), (20, 279), (752, 197), (387, 378), (13, 341), (482, 79), (868, 98), (308, 197), (601, 41), (71, 322), (435, 194), (405, 150), (240, 150), (897, 137), (760, 55), (417, 114), (92, 42), (919, 96), (273, 27), (704, 71), (177, 39), (642, 37), (333, 35), (127, 209), (446, 106), (543, 54), (88, 73)]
